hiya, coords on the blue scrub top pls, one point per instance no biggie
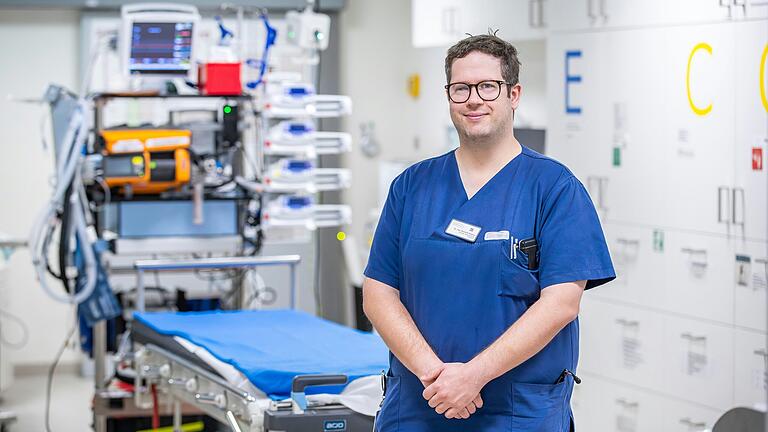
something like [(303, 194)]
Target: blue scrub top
[(463, 295)]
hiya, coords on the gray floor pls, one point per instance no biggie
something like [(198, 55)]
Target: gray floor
[(70, 403)]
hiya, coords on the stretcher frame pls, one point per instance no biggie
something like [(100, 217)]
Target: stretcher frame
[(186, 382)]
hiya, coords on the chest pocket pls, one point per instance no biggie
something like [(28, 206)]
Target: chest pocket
[(516, 279)]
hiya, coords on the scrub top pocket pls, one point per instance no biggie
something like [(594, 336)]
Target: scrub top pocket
[(540, 407), (516, 280)]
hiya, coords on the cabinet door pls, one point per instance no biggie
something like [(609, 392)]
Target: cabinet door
[(639, 260), (579, 132), (629, 409), (437, 23), (698, 102), (687, 417), (695, 11), (750, 283), (623, 13), (514, 19), (755, 9), (699, 364), (751, 139), (593, 349), (588, 403), (635, 339), (699, 273), (635, 150), (750, 356), (567, 15)]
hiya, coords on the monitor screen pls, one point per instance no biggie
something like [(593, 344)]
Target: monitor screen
[(161, 48)]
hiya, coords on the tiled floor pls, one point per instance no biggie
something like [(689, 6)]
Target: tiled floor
[(70, 403)]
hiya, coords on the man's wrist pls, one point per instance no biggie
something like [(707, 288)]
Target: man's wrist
[(481, 369), (427, 368)]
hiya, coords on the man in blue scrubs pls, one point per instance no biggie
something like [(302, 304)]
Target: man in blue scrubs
[(478, 265)]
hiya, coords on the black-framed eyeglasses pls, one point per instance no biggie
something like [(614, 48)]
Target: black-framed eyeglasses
[(488, 90)]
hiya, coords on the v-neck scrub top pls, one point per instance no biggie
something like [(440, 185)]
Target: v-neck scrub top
[(464, 294)]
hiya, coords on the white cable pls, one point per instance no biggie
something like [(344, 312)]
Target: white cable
[(69, 162)]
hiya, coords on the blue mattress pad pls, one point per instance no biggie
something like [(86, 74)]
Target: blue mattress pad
[(272, 347)]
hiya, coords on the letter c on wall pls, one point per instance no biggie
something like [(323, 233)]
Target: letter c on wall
[(763, 96), (699, 111)]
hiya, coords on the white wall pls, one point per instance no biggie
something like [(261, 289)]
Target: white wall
[(377, 58), (38, 47)]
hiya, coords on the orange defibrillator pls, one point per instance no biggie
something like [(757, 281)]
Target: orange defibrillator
[(146, 161)]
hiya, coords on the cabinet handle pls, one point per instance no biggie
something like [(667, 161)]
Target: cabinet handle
[(447, 20), (626, 404), (692, 424), (531, 22), (720, 191), (602, 11), (761, 352), (692, 338), (737, 191), (542, 23), (693, 251), (628, 242), (601, 182), (627, 323), (591, 10)]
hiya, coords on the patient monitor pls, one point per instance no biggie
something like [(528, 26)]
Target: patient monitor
[(157, 43)]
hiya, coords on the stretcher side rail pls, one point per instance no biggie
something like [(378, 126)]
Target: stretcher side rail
[(188, 382), (218, 263)]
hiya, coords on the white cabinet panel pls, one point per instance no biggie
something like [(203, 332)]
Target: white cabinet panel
[(635, 340), (437, 22), (515, 19), (755, 9), (579, 123), (571, 15), (639, 260), (623, 13), (622, 343), (699, 273), (750, 355), (750, 264), (751, 183), (565, 15), (588, 404), (593, 348), (699, 363), (695, 11), (636, 189), (698, 102), (685, 417), (631, 410)]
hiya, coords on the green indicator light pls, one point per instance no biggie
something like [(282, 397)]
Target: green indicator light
[(227, 109), (153, 165)]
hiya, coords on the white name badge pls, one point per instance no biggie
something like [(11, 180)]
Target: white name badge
[(496, 235), (463, 230)]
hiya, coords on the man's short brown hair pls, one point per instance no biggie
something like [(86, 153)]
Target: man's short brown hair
[(488, 44)]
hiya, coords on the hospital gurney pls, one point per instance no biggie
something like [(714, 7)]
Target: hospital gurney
[(257, 370)]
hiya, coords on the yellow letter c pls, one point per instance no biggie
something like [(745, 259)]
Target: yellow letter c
[(699, 111), (763, 96)]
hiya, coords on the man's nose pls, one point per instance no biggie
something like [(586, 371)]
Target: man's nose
[(474, 97)]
